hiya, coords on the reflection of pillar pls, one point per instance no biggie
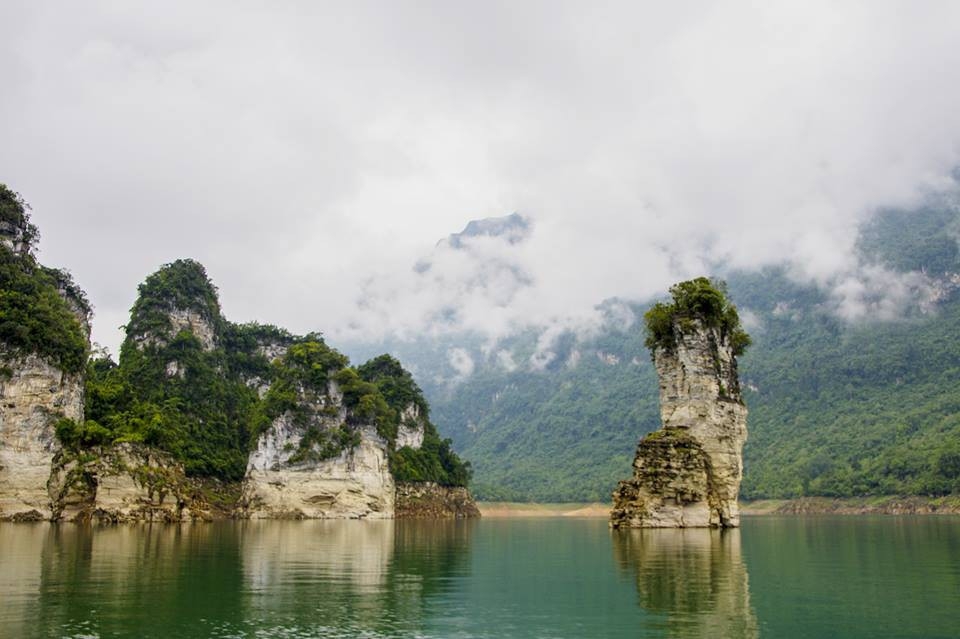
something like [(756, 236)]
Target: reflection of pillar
[(696, 578)]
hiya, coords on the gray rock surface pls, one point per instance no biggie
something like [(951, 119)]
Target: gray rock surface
[(688, 473), (356, 484), (33, 396)]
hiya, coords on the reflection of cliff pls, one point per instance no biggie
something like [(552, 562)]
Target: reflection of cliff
[(277, 557), (428, 554), (696, 578), (20, 582), (356, 577), (143, 581), (321, 578)]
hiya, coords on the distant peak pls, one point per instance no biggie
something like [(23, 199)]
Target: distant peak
[(513, 228)]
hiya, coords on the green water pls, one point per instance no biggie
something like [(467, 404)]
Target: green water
[(776, 577)]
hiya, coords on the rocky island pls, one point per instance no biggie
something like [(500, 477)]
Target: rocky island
[(687, 474), (199, 418)]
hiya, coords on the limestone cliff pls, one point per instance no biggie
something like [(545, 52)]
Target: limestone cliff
[(200, 418), (44, 340), (123, 483), (295, 471), (688, 473), (289, 476), (33, 396)]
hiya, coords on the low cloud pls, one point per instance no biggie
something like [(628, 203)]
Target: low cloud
[(461, 361), (312, 156), (876, 293)]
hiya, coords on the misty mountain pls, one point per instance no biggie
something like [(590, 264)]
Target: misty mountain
[(852, 384), (513, 228)]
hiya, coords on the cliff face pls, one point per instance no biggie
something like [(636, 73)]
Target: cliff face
[(427, 500), (688, 473), (43, 344), (122, 483), (33, 397), (287, 479)]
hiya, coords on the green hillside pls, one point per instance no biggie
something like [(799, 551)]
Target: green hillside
[(837, 408), (866, 408)]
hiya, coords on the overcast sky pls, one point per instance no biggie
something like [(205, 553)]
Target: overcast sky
[(309, 154)]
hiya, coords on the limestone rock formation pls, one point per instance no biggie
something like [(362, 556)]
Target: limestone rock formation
[(122, 483), (200, 418), (41, 364), (427, 500), (33, 397), (284, 483), (411, 430), (688, 473)]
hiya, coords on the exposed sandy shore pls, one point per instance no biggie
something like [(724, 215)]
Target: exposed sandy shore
[(887, 505), (884, 505), (493, 509)]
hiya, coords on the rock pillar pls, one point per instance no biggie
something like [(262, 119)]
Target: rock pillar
[(687, 474)]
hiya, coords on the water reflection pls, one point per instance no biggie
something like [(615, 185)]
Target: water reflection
[(342, 578), (496, 579), (20, 574), (329, 577), (695, 578)]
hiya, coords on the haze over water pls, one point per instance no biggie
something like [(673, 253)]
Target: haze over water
[(777, 577)]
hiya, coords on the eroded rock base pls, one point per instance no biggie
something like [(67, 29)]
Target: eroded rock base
[(430, 501)]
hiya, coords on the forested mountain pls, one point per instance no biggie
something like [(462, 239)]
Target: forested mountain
[(843, 400), (204, 389)]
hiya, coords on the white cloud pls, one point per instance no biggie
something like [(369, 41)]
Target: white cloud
[(875, 293), (310, 154), (461, 361), (506, 361)]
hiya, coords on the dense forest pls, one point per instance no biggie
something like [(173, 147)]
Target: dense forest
[(40, 308), (869, 407)]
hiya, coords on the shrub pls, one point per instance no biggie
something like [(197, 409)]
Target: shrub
[(699, 299)]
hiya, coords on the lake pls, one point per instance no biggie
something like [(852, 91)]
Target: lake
[(548, 577)]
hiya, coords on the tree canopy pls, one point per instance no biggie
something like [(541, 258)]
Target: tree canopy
[(698, 299)]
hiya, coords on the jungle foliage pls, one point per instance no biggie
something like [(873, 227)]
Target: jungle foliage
[(435, 460), (36, 316), (207, 405)]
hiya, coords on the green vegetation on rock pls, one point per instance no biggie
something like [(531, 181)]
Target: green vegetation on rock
[(435, 460), (36, 316), (695, 300), (204, 389), (14, 218), (182, 285)]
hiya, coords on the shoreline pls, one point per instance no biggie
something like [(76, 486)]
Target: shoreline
[(850, 506)]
